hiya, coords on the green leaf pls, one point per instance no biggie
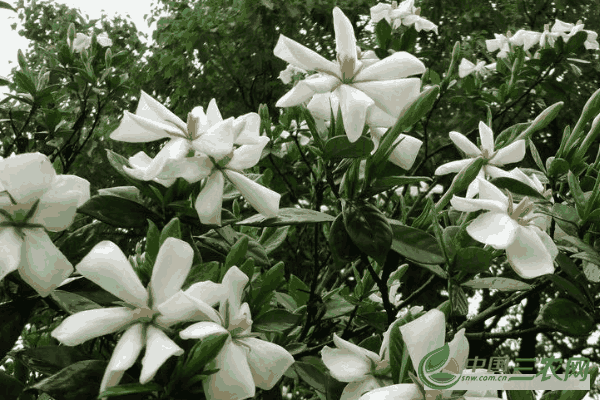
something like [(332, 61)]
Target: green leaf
[(24, 83), (566, 217), (536, 155), (590, 111), (172, 229), (72, 302), (541, 121), (556, 166), (390, 182), (509, 134), (575, 42), (437, 360), (237, 254), (336, 306), (369, 229), (520, 395), (271, 238), (311, 375), (416, 245), (571, 289), (152, 241), (592, 272), (567, 317), (503, 284), (50, 359), (117, 211), (127, 192), (11, 387), (298, 290), (202, 353), (517, 187), (67, 383), (458, 298), (275, 321), (340, 147), (269, 282), (203, 272), (577, 193), (341, 245), (288, 216), (399, 357), (473, 260), (383, 30), (6, 6), (130, 388), (14, 316), (580, 394)]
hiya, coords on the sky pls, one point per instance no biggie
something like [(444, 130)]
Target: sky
[(11, 41)]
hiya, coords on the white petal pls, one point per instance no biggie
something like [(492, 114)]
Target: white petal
[(493, 228), (345, 43), (180, 308), (10, 251), (528, 255), (321, 83), (473, 188), (210, 200), (488, 191), (172, 266), (158, 349), (424, 334), (218, 141), (399, 65), (402, 391), (495, 172), (512, 153), (459, 349), (192, 169), (465, 68), (202, 330), (124, 355), (213, 115), (204, 311), (547, 240), (234, 283), (151, 109), (298, 95), (405, 154), (43, 266), (137, 129), (107, 266), (377, 117), (487, 137), (353, 390), (345, 365), (58, 206), (267, 361), (354, 105), (321, 104), (392, 96), (234, 379), (90, 324), (247, 129), (248, 155), (471, 205), (26, 176), (452, 166), (264, 200), (207, 291), (300, 56), (346, 345), (465, 144)]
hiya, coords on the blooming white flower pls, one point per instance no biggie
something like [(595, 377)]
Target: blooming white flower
[(466, 68), (212, 141), (81, 42), (422, 336), (245, 361), (499, 43), (382, 86), (529, 250), (548, 36), (512, 153), (567, 30), (149, 311), (287, 74), (525, 38), (104, 40), (29, 185), (404, 13)]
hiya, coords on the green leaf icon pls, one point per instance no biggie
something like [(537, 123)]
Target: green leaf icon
[(437, 359), (442, 377)]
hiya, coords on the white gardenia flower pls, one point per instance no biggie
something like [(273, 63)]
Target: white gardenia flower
[(548, 36), (499, 43), (151, 310), (567, 30), (104, 40), (245, 361), (404, 13), (525, 38), (29, 184), (81, 42), (206, 147), (529, 250), (466, 68), (287, 74), (382, 87), (422, 336), (512, 153)]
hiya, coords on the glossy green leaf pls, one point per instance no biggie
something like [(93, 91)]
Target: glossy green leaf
[(416, 245), (237, 254), (72, 302), (50, 359), (503, 284), (399, 357), (11, 387), (67, 383), (341, 245), (556, 166), (131, 388), (567, 317), (275, 320), (571, 289), (311, 375), (172, 229), (517, 187), (369, 229), (340, 147), (271, 238), (6, 6), (473, 260), (14, 316), (566, 217), (288, 216), (202, 353), (117, 211)]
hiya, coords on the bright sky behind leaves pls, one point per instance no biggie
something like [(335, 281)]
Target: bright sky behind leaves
[(11, 42)]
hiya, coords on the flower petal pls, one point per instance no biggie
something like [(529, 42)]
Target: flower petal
[(346, 345), (399, 65), (528, 255), (267, 361), (487, 137), (181, 308), (90, 324), (357, 388), (202, 330), (218, 141), (150, 108), (26, 176), (321, 83), (192, 169), (452, 166), (465, 68), (10, 251), (298, 95), (158, 349), (402, 391), (459, 350), (345, 44), (210, 200), (392, 96), (58, 206), (512, 153), (213, 115), (381, 11), (43, 266), (493, 228), (424, 334), (209, 292), (321, 104), (248, 155), (233, 283), (172, 266), (124, 355), (473, 188), (495, 172), (345, 365), (107, 266), (471, 205), (300, 56), (405, 153), (234, 379), (465, 144), (488, 191), (137, 129), (354, 105), (264, 200), (246, 129)]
